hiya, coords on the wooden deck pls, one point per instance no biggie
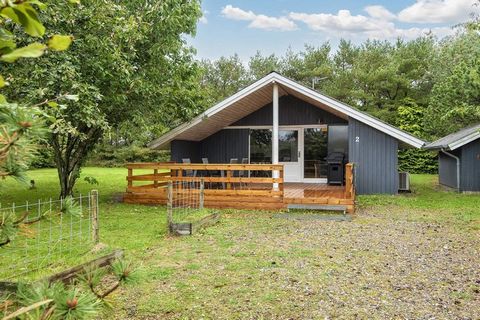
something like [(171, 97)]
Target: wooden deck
[(242, 186)]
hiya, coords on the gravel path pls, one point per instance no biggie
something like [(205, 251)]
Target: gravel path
[(259, 267)]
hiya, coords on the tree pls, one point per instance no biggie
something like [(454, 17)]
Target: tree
[(21, 127), (223, 77), (455, 101), (259, 66), (129, 62)]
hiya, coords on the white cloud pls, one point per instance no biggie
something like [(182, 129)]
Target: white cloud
[(377, 24), (379, 12), (438, 11), (259, 21), (203, 19), (342, 21)]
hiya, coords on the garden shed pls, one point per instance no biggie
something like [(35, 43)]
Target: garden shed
[(459, 159)]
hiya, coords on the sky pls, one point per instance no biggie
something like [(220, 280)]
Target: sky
[(272, 26)]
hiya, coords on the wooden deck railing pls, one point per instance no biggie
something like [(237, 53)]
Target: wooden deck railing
[(220, 178), (242, 186), (349, 181)]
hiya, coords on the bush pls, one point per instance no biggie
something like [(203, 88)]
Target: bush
[(417, 161), (110, 156), (44, 158)]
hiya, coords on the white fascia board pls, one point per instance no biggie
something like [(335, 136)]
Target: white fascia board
[(351, 112), (211, 111), (334, 104), (463, 141)]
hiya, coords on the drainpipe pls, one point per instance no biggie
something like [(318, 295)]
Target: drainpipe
[(458, 166)]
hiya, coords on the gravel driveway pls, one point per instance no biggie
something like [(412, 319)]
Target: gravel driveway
[(254, 266)]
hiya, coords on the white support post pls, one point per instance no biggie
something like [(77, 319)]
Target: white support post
[(275, 133)]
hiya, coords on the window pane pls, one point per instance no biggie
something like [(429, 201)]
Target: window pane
[(288, 146), (315, 148), (261, 146)]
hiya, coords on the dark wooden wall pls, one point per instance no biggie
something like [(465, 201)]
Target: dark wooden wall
[(470, 167), (225, 145), (375, 155), (447, 169), (220, 147), (292, 111)]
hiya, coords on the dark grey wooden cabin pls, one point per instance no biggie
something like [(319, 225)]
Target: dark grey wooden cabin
[(459, 159), (225, 131)]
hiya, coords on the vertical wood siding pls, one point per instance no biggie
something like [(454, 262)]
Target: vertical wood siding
[(376, 159), (226, 144), (220, 147), (292, 111), (470, 167), (180, 149), (447, 170)]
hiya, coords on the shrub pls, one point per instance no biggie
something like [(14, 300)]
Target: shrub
[(417, 161), (110, 156)]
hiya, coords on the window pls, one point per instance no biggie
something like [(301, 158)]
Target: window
[(288, 146), (261, 146), (315, 151)]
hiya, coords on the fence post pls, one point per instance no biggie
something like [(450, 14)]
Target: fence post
[(129, 178), (94, 208), (155, 182), (202, 193), (169, 206)]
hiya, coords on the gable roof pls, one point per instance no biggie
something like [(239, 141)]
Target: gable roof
[(456, 140), (259, 94)]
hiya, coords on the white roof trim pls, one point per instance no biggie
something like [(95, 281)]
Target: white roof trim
[(208, 113), (332, 103), (463, 141)]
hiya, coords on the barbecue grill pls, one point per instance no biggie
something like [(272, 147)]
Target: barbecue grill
[(335, 163)]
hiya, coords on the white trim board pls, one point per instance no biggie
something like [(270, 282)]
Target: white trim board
[(302, 90), (463, 141)]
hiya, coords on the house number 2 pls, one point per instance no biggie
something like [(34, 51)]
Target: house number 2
[(357, 139)]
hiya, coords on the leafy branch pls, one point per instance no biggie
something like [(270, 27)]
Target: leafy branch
[(20, 126)]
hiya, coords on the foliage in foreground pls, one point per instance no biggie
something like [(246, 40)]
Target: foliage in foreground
[(21, 127), (129, 69), (83, 300)]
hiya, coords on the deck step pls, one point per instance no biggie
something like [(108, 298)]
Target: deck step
[(318, 207)]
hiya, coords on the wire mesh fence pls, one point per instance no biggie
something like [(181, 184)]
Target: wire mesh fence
[(42, 235), (185, 206)]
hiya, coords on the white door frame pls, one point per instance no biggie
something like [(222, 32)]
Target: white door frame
[(298, 165), (301, 147)]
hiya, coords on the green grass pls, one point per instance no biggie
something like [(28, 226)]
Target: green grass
[(233, 270), (428, 200)]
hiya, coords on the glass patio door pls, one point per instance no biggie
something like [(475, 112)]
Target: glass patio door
[(315, 141), (289, 154)]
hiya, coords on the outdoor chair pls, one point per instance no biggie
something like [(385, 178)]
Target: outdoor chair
[(243, 173), (188, 172)]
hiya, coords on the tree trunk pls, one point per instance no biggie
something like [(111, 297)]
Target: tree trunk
[(70, 154)]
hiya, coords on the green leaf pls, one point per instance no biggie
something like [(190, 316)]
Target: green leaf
[(2, 82), (7, 40), (59, 42), (52, 104), (26, 16), (40, 4), (33, 50), (3, 99), (72, 97)]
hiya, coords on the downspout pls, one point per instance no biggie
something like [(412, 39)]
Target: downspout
[(458, 166)]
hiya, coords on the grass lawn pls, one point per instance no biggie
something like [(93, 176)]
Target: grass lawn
[(407, 256)]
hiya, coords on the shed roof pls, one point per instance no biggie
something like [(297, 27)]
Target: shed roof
[(259, 94), (456, 140)]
